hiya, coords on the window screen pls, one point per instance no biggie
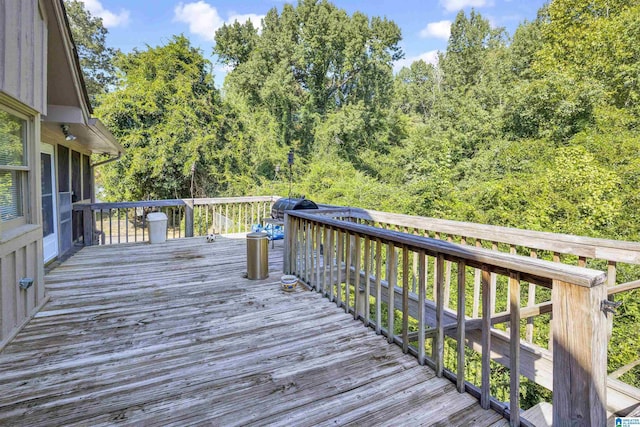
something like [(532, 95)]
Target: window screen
[(86, 177), (76, 178), (63, 169)]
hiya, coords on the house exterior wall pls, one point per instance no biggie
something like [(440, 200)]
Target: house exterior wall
[(23, 92), (23, 48)]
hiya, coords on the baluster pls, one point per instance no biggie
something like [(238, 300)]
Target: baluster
[(405, 299), (367, 277), (476, 286), (317, 263), (435, 273), (378, 290), (226, 218), (392, 260), (422, 293), (347, 273), (135, 224), (514, 344), (126, 225), (494, 281), (460, 337), (556, 258), (531, 301), (357, 299), (611, 281), (118, 219), (414, 276), (486, 339), (297, 241), (325, 266), (309, 253), (110, 228), (438, 347), (332, 259), (340, 237), (447, 280)]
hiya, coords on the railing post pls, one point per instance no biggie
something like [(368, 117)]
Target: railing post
[(579, 354), (188, 218), (288, 245), (87, 225)]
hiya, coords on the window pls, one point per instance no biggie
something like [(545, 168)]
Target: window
[(13, 166)]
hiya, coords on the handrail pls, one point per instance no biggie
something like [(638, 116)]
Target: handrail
[(118, 222), (344, 260), (535, 270), (612, 250)]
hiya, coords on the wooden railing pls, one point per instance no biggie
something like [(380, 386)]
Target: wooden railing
[(369, 270), (123, 222)]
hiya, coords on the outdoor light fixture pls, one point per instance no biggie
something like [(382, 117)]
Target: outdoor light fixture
[(67, 135)]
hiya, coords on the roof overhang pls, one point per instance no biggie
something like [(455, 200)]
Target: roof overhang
[(91, 134), (67, 98)]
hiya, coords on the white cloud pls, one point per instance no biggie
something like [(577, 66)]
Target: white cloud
[(430, 57), (456, 5), (109, 19), (204, 19), (439, 30)]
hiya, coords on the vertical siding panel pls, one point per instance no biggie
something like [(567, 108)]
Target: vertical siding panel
[(31, 271), (3, 273), (3, 46), (28, 54), (20, 300), (11, 51), (8, 294), (39, 274), (20, 54), (41, 85), (11, 48)]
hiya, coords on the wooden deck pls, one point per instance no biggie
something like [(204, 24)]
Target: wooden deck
[(172, 334)]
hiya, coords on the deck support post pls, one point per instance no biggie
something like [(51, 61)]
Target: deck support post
[(188, 218), (579, 354), (87, 225)]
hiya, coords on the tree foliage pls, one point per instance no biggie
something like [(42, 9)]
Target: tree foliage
[(96, 58), (168, 115)]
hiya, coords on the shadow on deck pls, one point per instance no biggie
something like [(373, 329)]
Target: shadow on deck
[(172, 334)]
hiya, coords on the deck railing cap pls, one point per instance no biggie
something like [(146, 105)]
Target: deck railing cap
[(538, 270)]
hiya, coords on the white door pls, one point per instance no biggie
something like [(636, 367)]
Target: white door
[(49, 205)]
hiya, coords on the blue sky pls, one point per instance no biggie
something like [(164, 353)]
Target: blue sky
[(424, 23)]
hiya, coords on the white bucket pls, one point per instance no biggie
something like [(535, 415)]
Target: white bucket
[(157, 227)]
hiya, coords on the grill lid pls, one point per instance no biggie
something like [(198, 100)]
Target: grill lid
[(286, 204)]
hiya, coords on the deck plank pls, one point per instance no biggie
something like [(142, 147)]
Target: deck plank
[(173, 334)]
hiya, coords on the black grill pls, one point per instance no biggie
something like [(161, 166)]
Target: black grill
[(285, 204)]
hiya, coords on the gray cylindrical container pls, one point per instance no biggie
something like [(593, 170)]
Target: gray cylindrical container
[(257, 256)]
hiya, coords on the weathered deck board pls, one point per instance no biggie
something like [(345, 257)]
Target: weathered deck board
[(172, 334)]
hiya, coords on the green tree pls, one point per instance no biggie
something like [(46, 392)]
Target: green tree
[(96, 58), (168, 115), (309, 61)]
